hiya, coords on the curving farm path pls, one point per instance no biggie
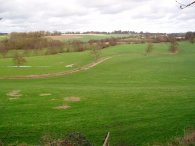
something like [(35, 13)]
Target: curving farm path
[(83, 68)]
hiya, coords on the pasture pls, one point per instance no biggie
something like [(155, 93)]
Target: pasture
[(139, 99)]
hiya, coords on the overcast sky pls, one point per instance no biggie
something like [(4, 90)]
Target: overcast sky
[(96, 15)]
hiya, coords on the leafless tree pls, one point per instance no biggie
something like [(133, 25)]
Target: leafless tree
[(149, 46), (190, 36), (182, 6), (18, 59), (95, 51), (3, 49), (173, 44)]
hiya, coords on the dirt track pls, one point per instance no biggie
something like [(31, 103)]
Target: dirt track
[(85, 67)]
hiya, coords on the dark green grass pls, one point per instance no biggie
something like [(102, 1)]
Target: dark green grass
[(139, 99)]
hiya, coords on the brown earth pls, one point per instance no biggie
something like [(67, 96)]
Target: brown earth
[(74, 99), (45, 94), (14, 93), (62, 107)]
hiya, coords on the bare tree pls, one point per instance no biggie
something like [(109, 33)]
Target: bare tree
[(190, 36), (18, 59), (182, 6), (149, 46), (174, 45), (3, 49), (95, 51)]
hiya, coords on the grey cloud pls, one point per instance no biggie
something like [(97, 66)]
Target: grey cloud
[(148, 15)]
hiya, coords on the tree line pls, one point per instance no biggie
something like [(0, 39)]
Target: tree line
[(29, 41), (36, 41)]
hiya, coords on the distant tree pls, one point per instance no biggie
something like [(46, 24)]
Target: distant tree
[(149, 46), (77, 46), (173, 44), (95, 51), (113, 41), (55, 47), (18, 59), (3, 49), (190, 36)]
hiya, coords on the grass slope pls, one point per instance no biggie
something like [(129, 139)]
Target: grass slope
[(45, 64), (139, 99)]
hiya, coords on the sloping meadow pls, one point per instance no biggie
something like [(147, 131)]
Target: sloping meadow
[(139, 99)]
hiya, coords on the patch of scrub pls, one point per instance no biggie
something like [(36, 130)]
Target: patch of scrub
[(45, 94), (14, 93), (62, 107), (74, 99)]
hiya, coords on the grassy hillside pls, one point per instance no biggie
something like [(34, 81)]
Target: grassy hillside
[(139, 99), (45, 64)]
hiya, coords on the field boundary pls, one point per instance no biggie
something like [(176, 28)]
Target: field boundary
[(83, 68)]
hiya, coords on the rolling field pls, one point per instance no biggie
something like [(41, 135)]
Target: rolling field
[(45, 64), (86, 37), (139, 99)]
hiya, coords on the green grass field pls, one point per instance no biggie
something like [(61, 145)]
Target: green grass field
[(139, 99), (45, 64)]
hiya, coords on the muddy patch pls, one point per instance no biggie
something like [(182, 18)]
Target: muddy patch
[(62, 107), (14, 93), (45, 94), (73, 99)]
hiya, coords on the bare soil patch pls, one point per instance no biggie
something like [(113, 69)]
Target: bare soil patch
[(74, 99), (14, 93), (45, 94), (62, 107)]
